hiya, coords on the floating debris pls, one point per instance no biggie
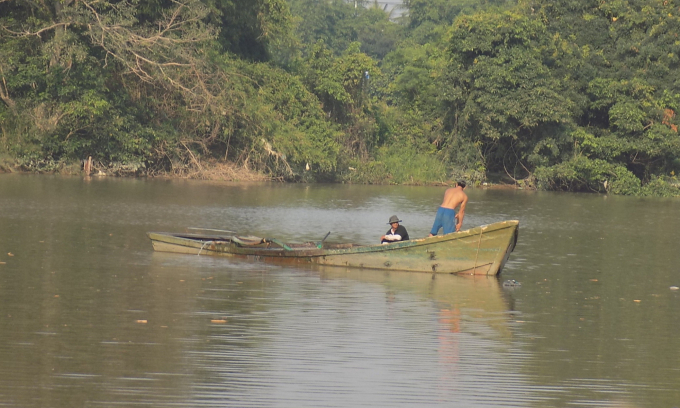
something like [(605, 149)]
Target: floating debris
[(674, 288), (511, 283)]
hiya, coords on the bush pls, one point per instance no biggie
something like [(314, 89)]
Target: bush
[(398, 164), (584, 174), (662, 187)]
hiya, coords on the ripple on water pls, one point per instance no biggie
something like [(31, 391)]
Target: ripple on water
[(341, 342)]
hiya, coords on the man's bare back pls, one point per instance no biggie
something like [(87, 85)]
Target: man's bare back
[(454, 197)]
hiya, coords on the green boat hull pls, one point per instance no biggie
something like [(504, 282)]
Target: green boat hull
[(482, 250)]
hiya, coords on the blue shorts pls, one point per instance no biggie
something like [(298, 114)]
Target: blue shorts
[(445, 218)]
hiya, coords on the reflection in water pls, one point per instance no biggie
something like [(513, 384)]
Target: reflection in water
[(336, 337), (91, 316), (480, 296)]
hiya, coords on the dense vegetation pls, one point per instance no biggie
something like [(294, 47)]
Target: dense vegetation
[(578, 95)]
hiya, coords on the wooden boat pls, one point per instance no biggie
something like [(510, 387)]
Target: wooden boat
[(482, 250)]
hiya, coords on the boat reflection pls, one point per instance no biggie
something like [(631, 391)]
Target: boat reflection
[(473, 301)]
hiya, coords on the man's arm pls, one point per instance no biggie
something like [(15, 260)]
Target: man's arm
[(403, 233), (461, 214)]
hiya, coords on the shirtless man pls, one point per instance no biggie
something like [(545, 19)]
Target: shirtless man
[(446, 217)]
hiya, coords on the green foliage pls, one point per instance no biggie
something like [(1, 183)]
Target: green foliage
[(442, 12), (110, 88), (411, 72), (524, 88), (372, 172), (661, 186), (583, 174), (500, 95), (377, 35), (297, 126), (404, 155), (410, 165), (565, 94), (343, 84), (338, 23), (250, 29), (330, 22), (326, 81)]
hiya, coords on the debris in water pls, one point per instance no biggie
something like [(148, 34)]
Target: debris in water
[(511, 283), (674, 288)]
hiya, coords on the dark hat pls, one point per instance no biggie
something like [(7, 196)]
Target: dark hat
[(394, 218)]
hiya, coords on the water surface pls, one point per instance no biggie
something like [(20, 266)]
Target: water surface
[(90, 316)]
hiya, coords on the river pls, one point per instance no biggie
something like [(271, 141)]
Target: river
[(91, 316)]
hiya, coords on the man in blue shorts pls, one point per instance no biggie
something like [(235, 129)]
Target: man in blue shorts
[(446, 217)]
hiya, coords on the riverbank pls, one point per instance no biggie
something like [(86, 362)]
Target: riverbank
[(199, 171), (206, 170)]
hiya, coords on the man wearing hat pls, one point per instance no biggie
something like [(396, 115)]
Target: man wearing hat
[(396, 233)]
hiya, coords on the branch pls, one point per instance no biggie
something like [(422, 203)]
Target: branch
[(193, 158), (142, 53), (28, 33), (4, 92)]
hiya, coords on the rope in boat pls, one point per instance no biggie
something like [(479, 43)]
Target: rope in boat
[(204, 244), (479, 243)]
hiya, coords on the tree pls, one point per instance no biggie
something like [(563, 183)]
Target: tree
[(66, 64), (343, 84), (628, 129), (500, 97), (250, 29)]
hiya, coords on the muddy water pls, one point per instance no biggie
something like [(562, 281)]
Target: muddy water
[(90, 316)]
